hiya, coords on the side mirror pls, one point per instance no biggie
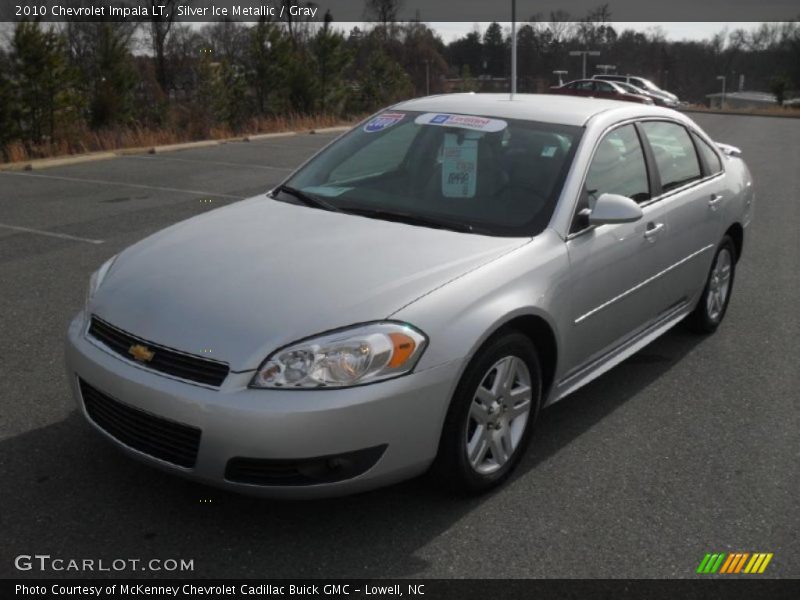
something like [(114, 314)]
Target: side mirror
[(613, 208)]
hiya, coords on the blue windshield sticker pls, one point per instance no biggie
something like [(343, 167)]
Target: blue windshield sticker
[(549, 151), (383, 121)]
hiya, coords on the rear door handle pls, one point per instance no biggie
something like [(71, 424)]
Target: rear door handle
[(652, 231), (714, 200)]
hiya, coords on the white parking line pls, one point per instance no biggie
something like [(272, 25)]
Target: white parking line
[(160, 157), (122, 184), (63, 236), (292, 146)]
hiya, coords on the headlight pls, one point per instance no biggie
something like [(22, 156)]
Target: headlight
[(353, 356), (97, 279)]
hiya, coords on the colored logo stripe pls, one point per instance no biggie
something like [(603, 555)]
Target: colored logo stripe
[(711, 563), (758, 563), (734, 563)]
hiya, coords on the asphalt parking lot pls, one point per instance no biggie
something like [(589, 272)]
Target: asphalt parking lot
[(691, 446)]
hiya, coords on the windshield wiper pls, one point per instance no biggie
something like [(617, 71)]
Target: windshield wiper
[(307, 199), (411, 219)]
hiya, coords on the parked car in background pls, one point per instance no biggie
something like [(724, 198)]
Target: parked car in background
[(608, 90), (632, 89), (412, 296), (659, 96)]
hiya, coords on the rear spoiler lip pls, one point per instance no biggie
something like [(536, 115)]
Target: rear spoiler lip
[(728, 149)]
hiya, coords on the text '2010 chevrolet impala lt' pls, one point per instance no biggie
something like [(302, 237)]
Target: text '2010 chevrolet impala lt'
[(411, 297)]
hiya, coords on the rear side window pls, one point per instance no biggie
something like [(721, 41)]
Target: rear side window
[(674, 153), (602, 86), (710, 158)]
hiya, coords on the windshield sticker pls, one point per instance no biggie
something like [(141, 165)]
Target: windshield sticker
[(383, 121), (462, 122), (459, 167), (549, 151)]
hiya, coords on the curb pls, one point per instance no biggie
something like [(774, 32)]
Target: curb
[(339, 129), (46, 163), (185, 146), (268, 136)]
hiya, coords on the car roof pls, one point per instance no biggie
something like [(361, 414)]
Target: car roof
[(545, 108)]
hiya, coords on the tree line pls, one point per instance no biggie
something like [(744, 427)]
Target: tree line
[(768, 56), (78, 86)]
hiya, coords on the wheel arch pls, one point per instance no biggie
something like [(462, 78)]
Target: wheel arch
[(539, 330), (736, 233)]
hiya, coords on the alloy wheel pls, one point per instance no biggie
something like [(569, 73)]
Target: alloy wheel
[(498, 414), (719, 284)]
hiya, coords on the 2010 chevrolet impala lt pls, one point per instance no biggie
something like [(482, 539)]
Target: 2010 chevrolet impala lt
[(412, 296)]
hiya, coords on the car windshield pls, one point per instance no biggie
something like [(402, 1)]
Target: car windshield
[(629, 88), (645, 84), (463, 172)]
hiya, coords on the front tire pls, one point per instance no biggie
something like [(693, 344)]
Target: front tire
[(491, 417), (713, 303)]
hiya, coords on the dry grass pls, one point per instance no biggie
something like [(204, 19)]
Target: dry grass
[(87, 140), (772, 111)]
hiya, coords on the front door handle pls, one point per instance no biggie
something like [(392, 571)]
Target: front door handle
[(652, 231), (714, 200)]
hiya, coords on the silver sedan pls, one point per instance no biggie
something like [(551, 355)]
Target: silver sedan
[(411, 298)]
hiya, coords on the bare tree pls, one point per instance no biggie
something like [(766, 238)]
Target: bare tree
[(160, 28), (384, 12)]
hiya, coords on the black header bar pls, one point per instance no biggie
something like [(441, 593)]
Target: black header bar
[(403, 10)]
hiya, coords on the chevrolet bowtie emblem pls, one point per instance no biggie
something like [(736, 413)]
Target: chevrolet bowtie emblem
[(141, 353)]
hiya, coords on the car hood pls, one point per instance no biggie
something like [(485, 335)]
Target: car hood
[(664, 94), (237, 283)]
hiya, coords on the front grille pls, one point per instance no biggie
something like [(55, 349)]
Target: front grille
[(156, 436), (165, 360)]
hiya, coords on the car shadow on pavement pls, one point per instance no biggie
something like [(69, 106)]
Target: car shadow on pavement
[(66, 492)]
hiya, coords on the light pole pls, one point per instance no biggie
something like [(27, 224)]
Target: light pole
[(607, 68), (513, 48), (559, 74), (584, 53), (722, 78)]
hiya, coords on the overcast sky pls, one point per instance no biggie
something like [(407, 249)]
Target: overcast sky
[(452, 31), (673, 31)]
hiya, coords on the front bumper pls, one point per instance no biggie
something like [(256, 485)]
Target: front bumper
[(403, 415)]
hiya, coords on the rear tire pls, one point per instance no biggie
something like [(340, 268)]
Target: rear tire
[(713, 303), (491, 416)]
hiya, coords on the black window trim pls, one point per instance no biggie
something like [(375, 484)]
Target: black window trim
[(694, 182), (697, 139), (654, 177), (653, 181)]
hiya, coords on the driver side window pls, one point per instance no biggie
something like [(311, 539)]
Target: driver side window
[(617, 167)]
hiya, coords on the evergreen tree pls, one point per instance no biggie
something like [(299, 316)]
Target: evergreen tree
[(382, 81), (101, 53), (8, 105), (269, 51), (332, 58), (43, 81), (495, 50)]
